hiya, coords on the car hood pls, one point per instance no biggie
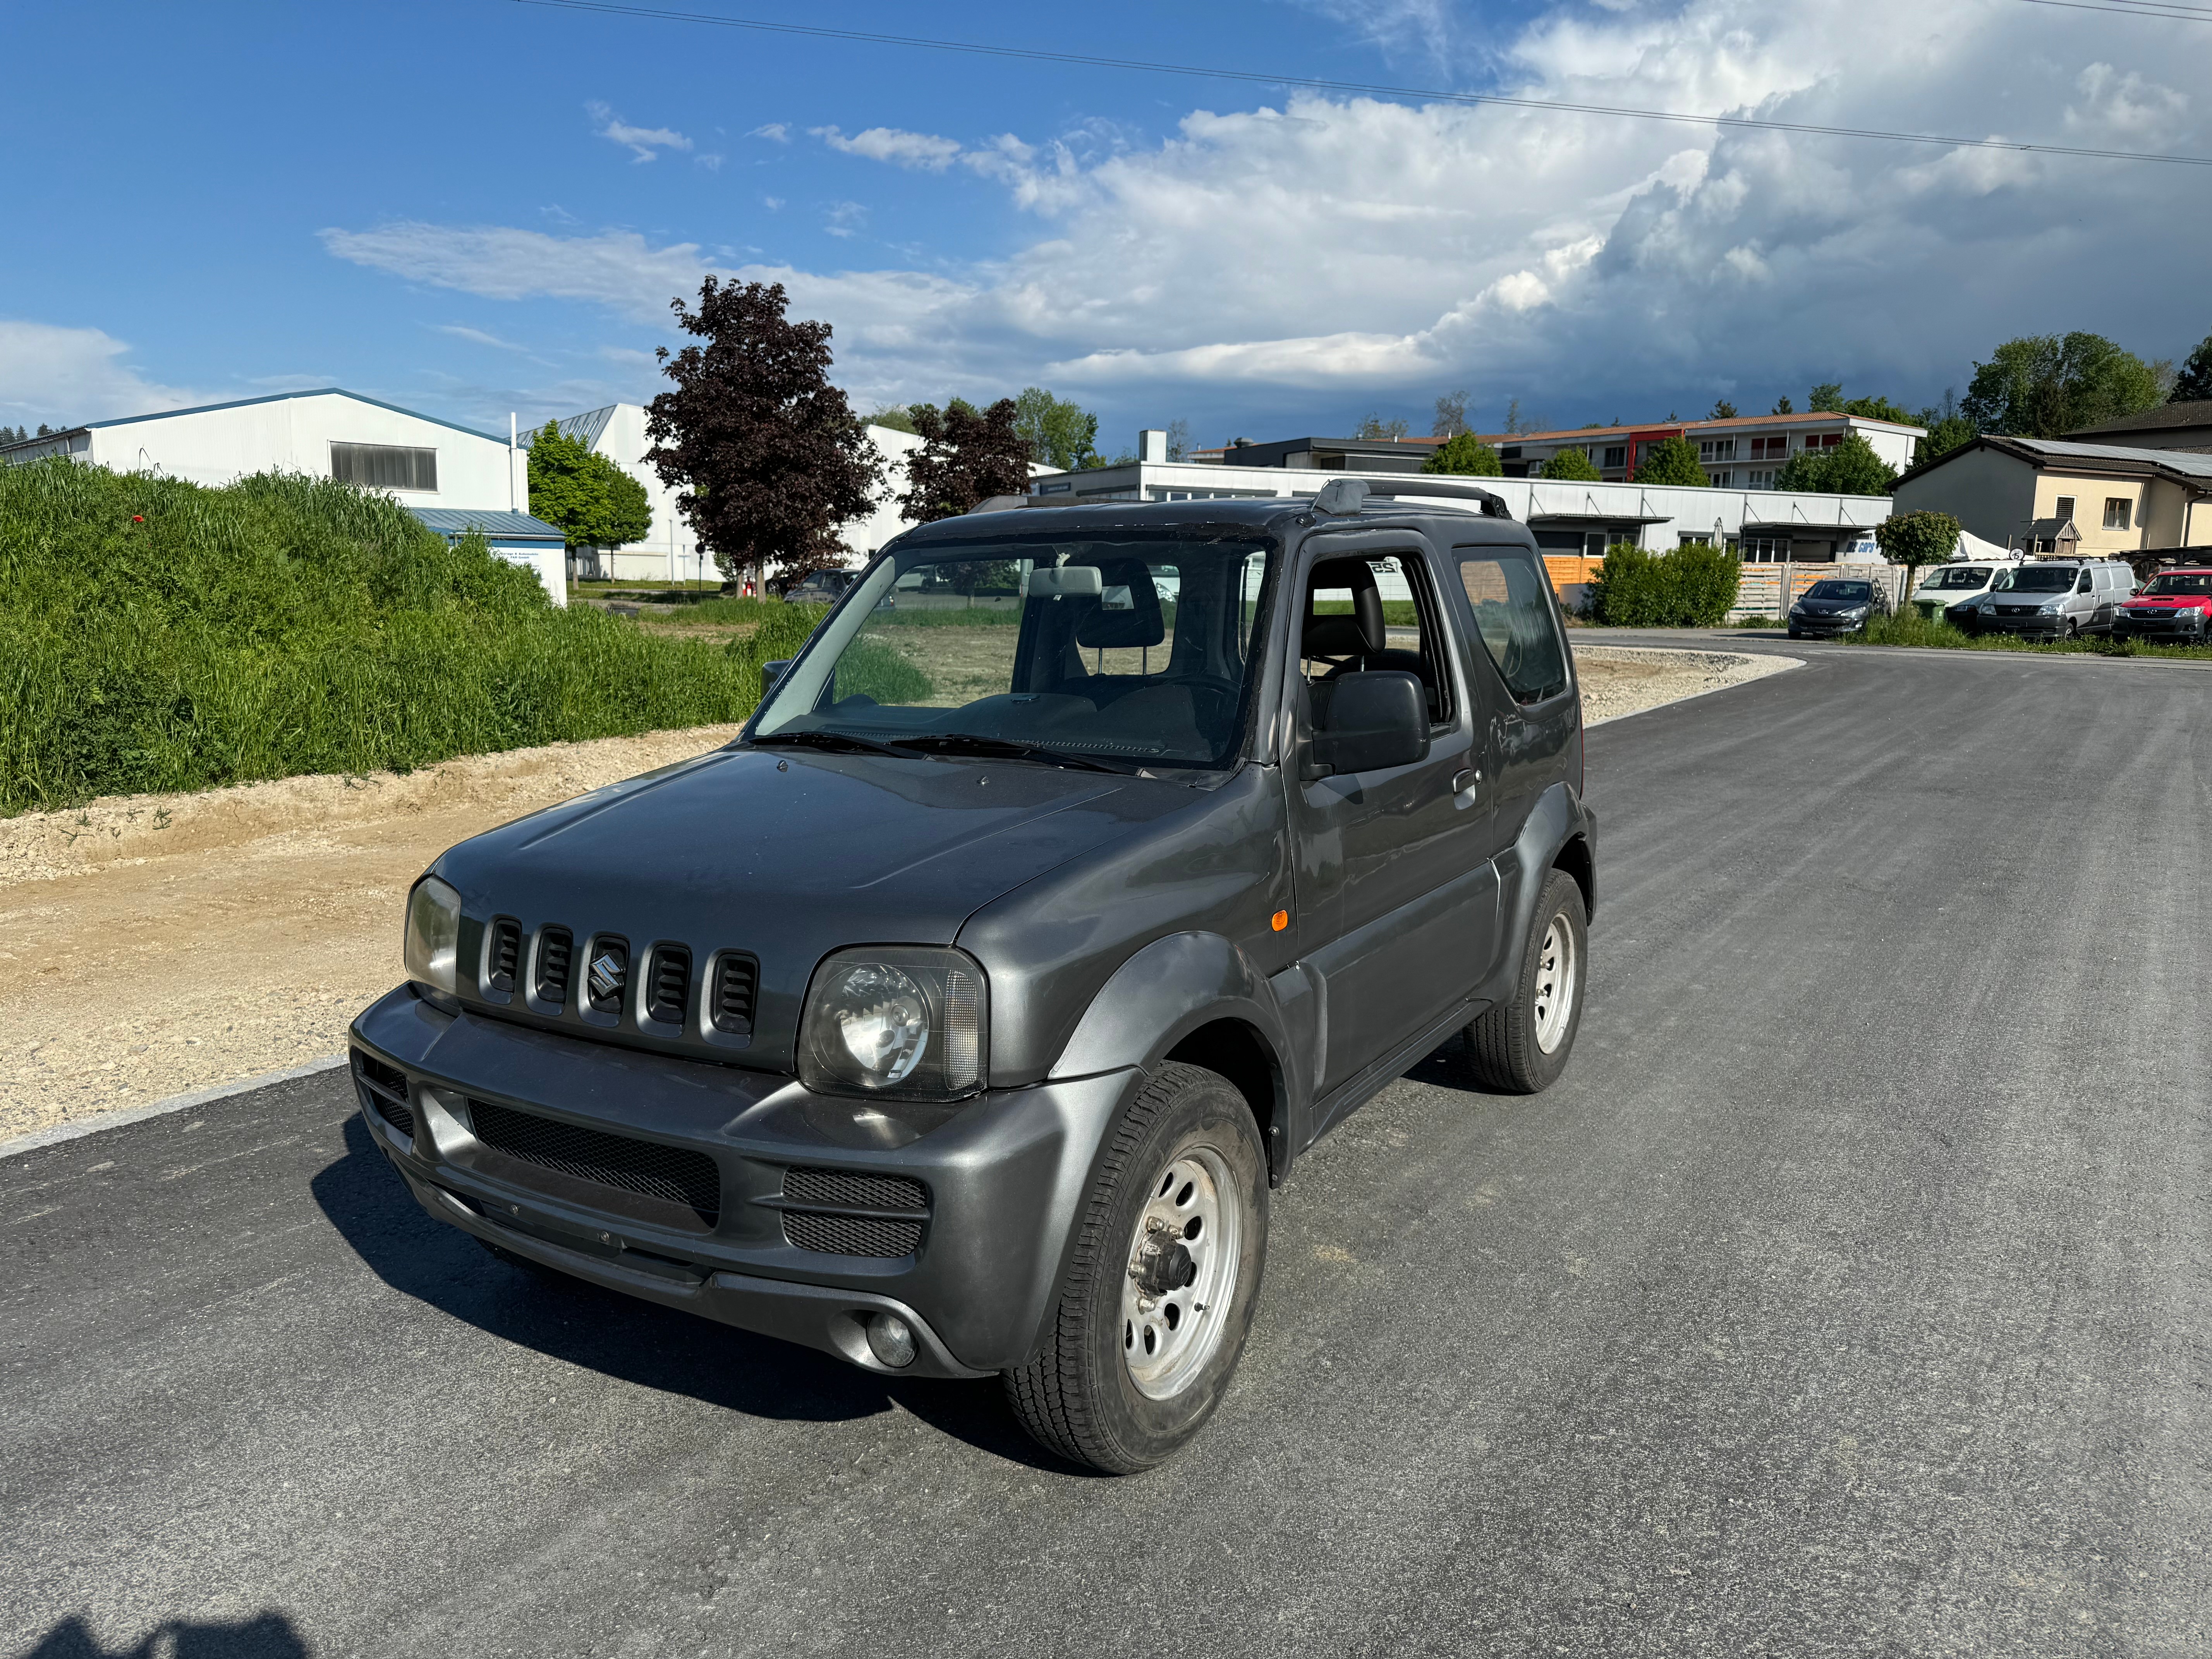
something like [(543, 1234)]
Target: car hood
[(790, 854)]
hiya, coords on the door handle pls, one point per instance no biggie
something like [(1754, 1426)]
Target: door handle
[(1465, 785)]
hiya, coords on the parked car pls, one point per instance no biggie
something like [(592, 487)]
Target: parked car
[(1831, 606), (960, 1031), (819, 587), (2051, 599), (2175, 608), (1947, 588)]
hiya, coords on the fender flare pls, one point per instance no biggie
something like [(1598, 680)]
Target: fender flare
[(1163, 993), (1556, 820)]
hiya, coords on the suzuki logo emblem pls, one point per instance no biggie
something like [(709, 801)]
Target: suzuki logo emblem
[(606, 975)]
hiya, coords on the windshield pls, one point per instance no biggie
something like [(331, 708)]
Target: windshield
[(1135, 650), (1962, 575), (2181, 581), (2035, 579), (1853, 590)]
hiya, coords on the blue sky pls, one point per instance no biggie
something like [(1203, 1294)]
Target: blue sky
[(478, 205)]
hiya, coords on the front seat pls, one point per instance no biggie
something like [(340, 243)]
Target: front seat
[(1356, 642)]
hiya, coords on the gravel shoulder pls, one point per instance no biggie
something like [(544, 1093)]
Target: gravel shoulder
[(157, 945)]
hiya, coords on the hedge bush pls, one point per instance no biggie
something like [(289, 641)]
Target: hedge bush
[(157, 635), (1694, 586)]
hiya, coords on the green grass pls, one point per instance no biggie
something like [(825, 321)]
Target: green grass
[(1909, 627), (161, 635)]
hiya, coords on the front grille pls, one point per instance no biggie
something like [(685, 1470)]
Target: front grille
[(843, 1189), (851, 1235), (647, 1167), (668, 989), (384, 1090), (732, 1004), (556, 946), (504, 959)]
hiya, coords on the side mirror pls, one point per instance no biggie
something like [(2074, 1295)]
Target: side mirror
[(1368, 722), (773, 671)]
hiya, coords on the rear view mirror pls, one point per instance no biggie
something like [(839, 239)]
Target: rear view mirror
[(1066, 581), (773, 671), (1367, 723)]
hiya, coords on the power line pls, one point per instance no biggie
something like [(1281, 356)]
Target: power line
[(1542, 105), (2156, 8)]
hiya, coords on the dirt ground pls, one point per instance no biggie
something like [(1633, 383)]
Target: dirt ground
[(161, 945)]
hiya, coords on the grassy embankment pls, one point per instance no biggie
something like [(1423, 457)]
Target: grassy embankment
[(1910, 627), (160, 636)]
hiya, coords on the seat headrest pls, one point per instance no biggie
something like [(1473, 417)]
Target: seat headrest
[(1125, 615), (1359, 635)]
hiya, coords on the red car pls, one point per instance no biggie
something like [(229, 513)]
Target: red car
[(2174, 607)]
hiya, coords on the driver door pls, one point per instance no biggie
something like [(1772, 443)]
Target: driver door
[(1397, 899)]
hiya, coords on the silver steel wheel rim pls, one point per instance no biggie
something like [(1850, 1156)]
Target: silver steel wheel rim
[(1169, 1331), (1557, 971)]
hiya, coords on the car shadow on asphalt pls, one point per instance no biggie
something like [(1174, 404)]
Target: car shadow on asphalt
[(622, 1337), (265, 1636), (1450, 1066)]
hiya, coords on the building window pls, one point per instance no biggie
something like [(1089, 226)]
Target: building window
[(1716, 449), (1722, 479), (384, 466), (1770, 448), (1763, 550), (2116, 511), (2064, 509), (1823, 440), (1756, 480), (1615, 455)]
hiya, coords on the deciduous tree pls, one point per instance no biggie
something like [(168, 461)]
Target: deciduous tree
[(1466, 454), (1913, 539), (593, 502), (1451, 416), (1059, 433), (2194, 383), (967, 456), (2045, 386), (1571, 463), (767, 454), (1852, 468), (1671, 461), (1375, 427)]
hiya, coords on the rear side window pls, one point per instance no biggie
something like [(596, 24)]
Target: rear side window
[(1511, 599)]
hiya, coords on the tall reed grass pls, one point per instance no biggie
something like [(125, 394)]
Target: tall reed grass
[(157, 635)]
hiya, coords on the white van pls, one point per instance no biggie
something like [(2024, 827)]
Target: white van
[(1945, 586), (2051, 599)]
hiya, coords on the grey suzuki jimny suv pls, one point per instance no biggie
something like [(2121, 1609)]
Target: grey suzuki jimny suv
[(958, 1018)]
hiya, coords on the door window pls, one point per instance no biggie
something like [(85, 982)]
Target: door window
[(1343, 597), (1518, 623)]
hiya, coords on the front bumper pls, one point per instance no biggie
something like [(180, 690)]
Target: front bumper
[(2160, 628), (1827, 628), (2037, 627), (1003, 1176)]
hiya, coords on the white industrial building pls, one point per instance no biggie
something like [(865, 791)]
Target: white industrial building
[(1763, 525), (447, 474), (670, 550)]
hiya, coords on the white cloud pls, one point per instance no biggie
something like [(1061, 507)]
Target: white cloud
[(63, 377), (843, 218), (477, 336), (905, 149), (1358, 248), (712, 163), (644, 144), (777, 132)]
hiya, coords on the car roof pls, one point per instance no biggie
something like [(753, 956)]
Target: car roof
[(1257, 514)]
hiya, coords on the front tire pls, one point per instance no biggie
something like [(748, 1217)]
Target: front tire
[(1522, 1045), (1159, 1293)]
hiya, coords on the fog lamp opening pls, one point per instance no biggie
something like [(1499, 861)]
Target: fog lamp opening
[(890, 1338)]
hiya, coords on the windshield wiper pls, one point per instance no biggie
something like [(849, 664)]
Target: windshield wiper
[(969, 742), (842, 742)]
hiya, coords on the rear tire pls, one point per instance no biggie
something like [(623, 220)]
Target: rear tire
[(1136, 1357), (1522, 1046)]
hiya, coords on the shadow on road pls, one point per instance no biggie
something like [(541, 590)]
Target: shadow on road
[(265, 1636), (1451, 1066), (638, 1342)]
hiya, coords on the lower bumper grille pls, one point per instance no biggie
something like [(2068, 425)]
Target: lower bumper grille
[(645, 1167), (898, 1206), (383, 1092)]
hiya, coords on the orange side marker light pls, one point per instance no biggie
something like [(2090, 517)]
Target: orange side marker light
[(1281, 920)]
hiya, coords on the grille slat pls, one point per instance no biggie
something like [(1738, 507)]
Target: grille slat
[(731, 1006), (851, 1235), (556, 948), (844, 1189), (668, 991), (504, 959), (645, 1167)]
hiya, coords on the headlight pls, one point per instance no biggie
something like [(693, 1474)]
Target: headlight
[(433, 946), (902, 1021)]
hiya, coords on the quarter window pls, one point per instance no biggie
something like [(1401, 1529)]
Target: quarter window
[(1517, 621)]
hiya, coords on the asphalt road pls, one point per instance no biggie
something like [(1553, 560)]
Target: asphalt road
[(1851, 1295)]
